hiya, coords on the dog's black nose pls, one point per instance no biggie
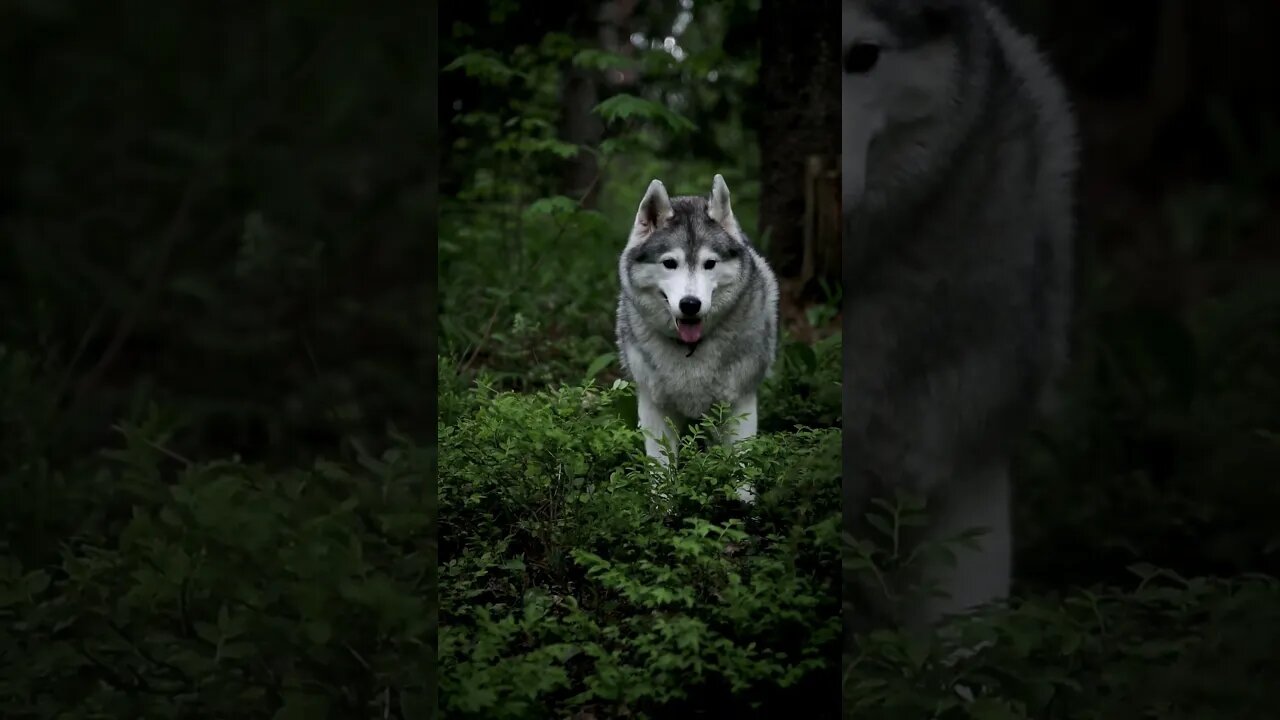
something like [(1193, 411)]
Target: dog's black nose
[(689, 305)]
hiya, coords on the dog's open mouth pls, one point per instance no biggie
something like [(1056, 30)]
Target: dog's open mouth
[(690, 330)]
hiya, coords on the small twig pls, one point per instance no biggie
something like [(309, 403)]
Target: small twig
[(488, 330), (69, 371), (184, 614), (315, 366), (357, 656), (157, 447), (127, 324)]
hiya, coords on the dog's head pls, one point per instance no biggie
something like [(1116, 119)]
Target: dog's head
[(908, 67), (685, 260)]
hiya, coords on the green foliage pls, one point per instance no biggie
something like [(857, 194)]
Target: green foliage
[(1168, 414), (1169, 648), (484, 67), (214, 274), (228, 591), (623, 107), (805, 386), (1165, 646), (530, 270), (236, 243), (576, 575), (596, 59)]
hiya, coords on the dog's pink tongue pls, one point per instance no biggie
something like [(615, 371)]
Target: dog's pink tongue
[(690, 332)]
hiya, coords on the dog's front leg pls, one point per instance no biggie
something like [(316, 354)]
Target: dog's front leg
[(657, 432), (743, 426), (980, 574), (746, 419)]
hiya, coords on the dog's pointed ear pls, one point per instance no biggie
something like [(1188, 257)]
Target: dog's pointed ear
[(718, 207), (655, 209)]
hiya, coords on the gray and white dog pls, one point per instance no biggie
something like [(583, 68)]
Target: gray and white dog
[(958, 163), (697, 315)]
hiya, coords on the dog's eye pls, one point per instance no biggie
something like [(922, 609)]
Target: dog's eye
[(669, 264), (860, 58), (709, 264)]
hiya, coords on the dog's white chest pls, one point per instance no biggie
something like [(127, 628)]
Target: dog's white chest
[(686, 384)]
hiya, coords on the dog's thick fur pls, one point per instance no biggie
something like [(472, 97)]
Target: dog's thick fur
[(692, 250), (959, 158)]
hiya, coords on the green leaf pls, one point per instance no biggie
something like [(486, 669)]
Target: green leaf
[(556, 206), (618, 145), (594, 59), (600, 363), (918, 649), (625, 107), (170, 517), (36, 582), (803, 355), (558, 46), (319, 631), (878, 522), (1145, 571), (483, 67)]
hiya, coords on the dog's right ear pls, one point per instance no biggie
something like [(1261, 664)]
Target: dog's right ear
[(655, 209)]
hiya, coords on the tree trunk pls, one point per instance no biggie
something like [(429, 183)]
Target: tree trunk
[(579, 95), (800, 142)]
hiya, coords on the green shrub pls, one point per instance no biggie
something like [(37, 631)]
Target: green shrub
[(577, 575), (228, 591), (805, 386), (1172, 648)]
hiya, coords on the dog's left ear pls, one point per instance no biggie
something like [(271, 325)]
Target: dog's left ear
[(718, 208)]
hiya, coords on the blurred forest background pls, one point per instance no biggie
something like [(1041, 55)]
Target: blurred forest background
[(1169, 453), (216, 370)]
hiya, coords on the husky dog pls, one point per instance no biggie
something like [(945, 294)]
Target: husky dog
[(958, 162), (697, 315)]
